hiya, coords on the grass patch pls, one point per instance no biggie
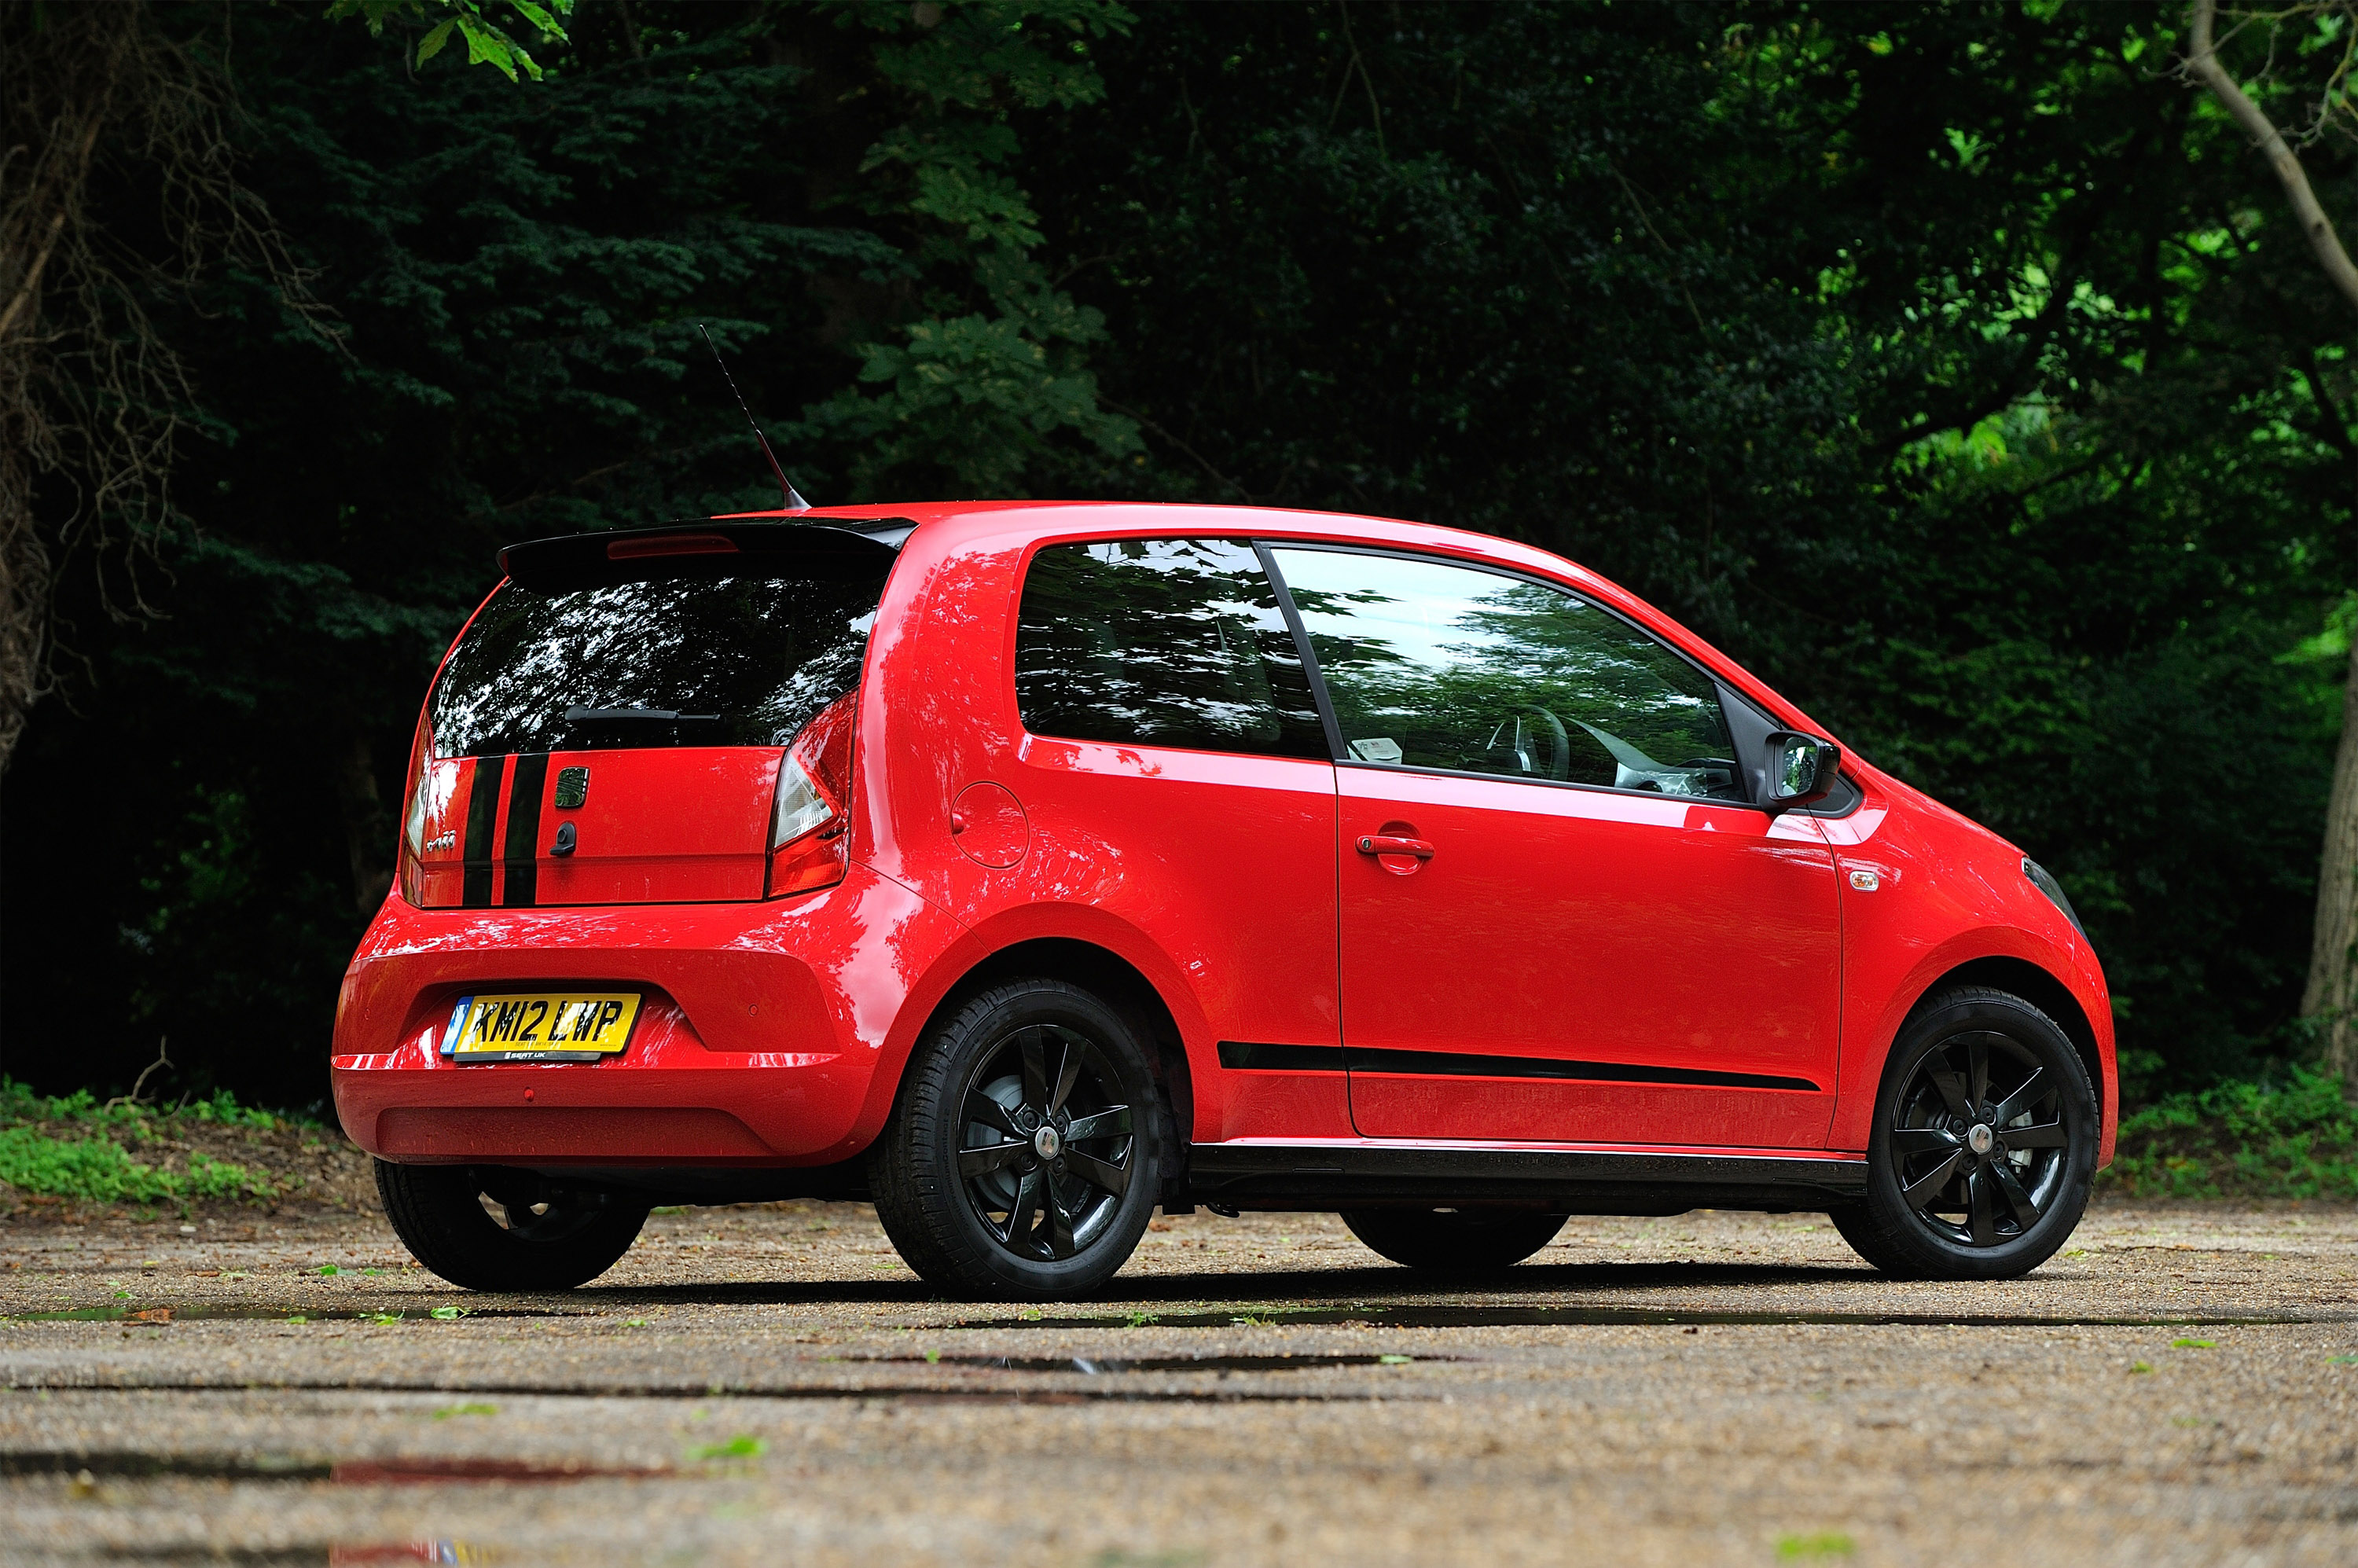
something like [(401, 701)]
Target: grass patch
[(76, 1146), (2294, 1140), (735, 1448)]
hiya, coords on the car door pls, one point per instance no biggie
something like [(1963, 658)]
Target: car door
[(1559, 917), (1176, 776)]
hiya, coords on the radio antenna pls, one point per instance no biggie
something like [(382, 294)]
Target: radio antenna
[(794, 501)]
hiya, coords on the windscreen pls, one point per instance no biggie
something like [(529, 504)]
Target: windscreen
[(686, 660)]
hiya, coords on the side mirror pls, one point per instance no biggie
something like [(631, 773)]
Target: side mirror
[(1801, 770)]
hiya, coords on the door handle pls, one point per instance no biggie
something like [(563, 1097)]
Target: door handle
[(1387, 844)]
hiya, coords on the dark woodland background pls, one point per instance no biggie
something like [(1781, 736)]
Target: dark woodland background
[(1956, 368)]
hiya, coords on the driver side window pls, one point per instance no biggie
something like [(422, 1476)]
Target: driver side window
[(1441, 667)]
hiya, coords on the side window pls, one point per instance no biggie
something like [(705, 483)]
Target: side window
[(1162, 642), (1441, 666)]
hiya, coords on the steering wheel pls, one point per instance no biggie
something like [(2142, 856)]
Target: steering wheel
[(1523, 733)]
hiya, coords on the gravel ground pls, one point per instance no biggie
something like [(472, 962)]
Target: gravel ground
[(768, 1384)]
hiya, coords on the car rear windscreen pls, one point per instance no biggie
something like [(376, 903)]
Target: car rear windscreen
[(690, 659)]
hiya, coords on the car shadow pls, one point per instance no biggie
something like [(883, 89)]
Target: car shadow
[(1294, 1288)]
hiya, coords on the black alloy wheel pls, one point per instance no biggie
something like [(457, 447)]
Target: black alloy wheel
[(1024, 1156), (1045, 1156), (1980, 1139), (490, 1228), (1984, 1145)]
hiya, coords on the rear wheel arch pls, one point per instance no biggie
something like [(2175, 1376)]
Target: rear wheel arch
[(1115, 980)]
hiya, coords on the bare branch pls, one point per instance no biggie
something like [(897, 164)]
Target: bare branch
[(2203, 64), (1200, 461), (1678, 275)]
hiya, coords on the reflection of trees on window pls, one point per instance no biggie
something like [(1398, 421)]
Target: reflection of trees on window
[(1162, 642), (760, 655), (1439, 666)]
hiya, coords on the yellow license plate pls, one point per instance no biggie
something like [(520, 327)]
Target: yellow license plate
[(540, 1026)]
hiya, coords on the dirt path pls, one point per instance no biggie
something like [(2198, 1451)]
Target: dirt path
[(767, 1385)]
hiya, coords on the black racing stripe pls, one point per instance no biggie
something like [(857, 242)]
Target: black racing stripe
[(1451, 1064), (483, 816), (523, 855), (1254, 1057)]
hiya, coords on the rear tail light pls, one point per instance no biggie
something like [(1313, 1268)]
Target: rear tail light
[(412, 817), (809, 843)]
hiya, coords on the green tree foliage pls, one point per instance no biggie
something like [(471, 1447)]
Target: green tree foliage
[(488, 43), (1950, 366), (1946, 365), (966, 401)]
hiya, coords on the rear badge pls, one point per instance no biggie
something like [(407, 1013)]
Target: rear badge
[(572, 788)]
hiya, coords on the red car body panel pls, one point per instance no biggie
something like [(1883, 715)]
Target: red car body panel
[(1711, 937), (686, 825), (772, 1017), (1537, 907), (1950, 893)]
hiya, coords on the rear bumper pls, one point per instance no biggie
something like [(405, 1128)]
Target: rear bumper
[(764, 1031)]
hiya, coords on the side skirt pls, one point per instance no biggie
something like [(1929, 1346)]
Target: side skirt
[(1328, 1176), (1349, 1175)]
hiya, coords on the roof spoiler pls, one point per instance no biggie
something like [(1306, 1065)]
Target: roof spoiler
[(849, 548)]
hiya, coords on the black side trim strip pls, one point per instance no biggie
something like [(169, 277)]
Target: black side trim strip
[(1586, 1181), (1254, 1057), (1453, 1064), (523, 855), (482, 815)]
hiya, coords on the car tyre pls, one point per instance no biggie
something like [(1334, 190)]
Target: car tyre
[(1025, 1150), (545, 1236), (1458, 1242), (1984, 1145)]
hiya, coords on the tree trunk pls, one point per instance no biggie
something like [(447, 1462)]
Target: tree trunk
[(55, 98), (92, 399), (2334, 945), (2333, 951), (368, 837)]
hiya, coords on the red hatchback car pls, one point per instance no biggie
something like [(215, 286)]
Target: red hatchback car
[(1022, 867)]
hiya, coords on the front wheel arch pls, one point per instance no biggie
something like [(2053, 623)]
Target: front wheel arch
[(2044, 991), (2024, 978), (2017, 1142)]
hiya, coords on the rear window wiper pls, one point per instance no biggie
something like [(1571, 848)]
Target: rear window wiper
[(600, 716), (638, 726)]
